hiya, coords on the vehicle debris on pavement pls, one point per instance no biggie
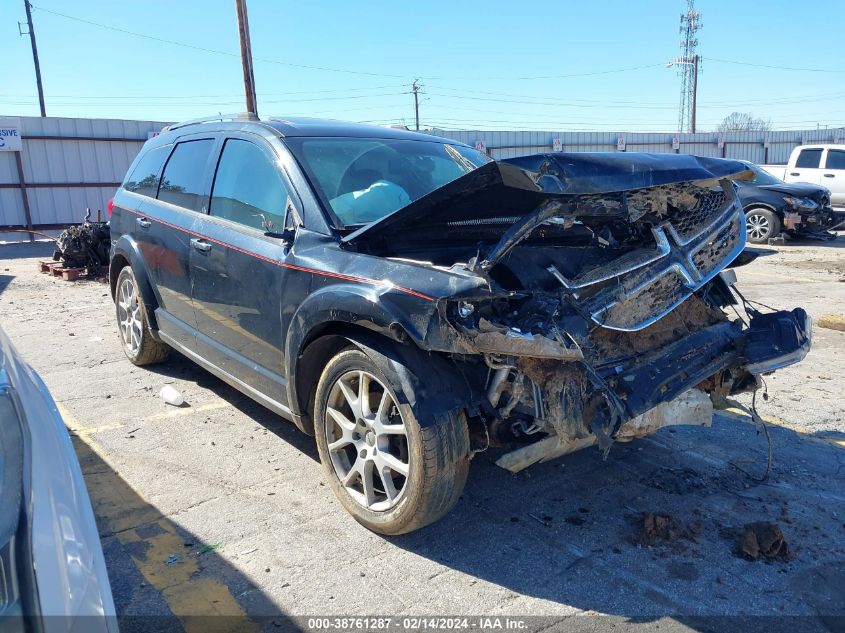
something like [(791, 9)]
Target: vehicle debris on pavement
[(84, 245), (171, 396), (656, 528), (764, 540)]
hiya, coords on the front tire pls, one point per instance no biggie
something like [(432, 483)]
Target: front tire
[(137, 342), (761, 225), (389, 472)]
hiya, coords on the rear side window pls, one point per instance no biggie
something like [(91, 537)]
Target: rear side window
[(145, 177), (184, 175), (835, 159), (809, 158), (248, 188)]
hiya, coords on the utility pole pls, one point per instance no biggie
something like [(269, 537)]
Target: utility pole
[(694, 91), (415, 90), (246, 57), (34, 55), (688, 67)]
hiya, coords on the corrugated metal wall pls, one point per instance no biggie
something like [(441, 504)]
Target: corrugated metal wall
[(71, 164), (745, 145), (59, 158)]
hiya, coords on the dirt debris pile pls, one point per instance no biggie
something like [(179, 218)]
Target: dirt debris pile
[(658, 528), (763, 540)]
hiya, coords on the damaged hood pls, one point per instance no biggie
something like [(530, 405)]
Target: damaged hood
[(804, 189), (503, 192)]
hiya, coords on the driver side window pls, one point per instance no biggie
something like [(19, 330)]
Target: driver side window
[(248, 188)]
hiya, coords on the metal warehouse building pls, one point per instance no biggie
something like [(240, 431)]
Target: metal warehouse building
[(51, 168)]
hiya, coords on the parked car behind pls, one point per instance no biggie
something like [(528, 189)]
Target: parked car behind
[(822, 164), (410, 302), (52, 572), (773, 206)]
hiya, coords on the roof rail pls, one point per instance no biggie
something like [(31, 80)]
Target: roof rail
[(240, 116)]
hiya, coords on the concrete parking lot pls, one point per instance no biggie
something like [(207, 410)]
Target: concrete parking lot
[(220, 507)]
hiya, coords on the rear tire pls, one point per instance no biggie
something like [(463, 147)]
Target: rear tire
[(761, 225), (416, 473), (133, 325)]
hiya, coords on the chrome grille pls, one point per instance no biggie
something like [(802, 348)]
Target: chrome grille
[(656, 297), (715, 250), (646, 286), (690, 222)]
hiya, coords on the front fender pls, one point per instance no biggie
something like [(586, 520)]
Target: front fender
[(397, 316), (128, 248)]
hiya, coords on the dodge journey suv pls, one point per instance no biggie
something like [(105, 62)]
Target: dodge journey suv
[(410, 302)]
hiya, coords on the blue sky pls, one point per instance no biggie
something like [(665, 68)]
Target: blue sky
[(483, 64)]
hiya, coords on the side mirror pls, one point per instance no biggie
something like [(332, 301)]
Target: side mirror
[(286, 236)]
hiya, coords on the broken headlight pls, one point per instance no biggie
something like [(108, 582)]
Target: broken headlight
[(800, 203)]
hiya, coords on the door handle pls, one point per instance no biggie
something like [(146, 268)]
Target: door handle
[(200, 245), (144, 223), (795, 173), (830, 175)]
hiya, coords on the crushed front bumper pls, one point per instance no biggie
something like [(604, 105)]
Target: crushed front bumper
[(672, 385), (777, 339), (771, 341), (817, 224)]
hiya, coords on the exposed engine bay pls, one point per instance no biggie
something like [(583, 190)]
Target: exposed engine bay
[(607, 308)]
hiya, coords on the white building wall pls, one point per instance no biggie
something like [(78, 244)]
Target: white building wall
[(71, 164), (743, 145), (59, 158)]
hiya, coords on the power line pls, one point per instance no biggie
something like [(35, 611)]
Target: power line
[(214, 51), (204, 49), (223, 96), (651, 104), (564, 76), (775, 67), (545, 103)]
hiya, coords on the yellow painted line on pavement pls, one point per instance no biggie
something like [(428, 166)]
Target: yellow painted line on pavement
[(739, 413), (742, 416), (86, 431), (152, 539), (183, 411)]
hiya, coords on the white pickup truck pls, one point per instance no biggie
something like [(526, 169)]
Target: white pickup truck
[(817, 164)]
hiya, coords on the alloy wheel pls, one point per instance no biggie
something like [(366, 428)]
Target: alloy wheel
[(129, 316), (367, 441), (758, 226)]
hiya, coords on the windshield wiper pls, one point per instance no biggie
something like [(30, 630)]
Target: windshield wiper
[(460, 158)]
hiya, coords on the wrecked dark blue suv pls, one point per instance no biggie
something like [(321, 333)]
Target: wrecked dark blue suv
[(409, 301)]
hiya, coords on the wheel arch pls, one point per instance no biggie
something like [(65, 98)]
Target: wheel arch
[(763, 205), (319, 334), (125, 252)]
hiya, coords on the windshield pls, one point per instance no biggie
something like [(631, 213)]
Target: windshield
[(761, 176), (363, 179)]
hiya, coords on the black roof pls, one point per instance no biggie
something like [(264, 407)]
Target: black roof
[(300, 127), (306, 126)]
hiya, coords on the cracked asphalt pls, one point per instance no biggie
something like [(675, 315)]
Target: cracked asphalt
[(221, 508)]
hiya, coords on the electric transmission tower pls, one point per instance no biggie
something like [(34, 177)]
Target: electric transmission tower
[(687, 65)]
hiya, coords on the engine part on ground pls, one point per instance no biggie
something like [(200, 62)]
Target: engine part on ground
[(87, 244)]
